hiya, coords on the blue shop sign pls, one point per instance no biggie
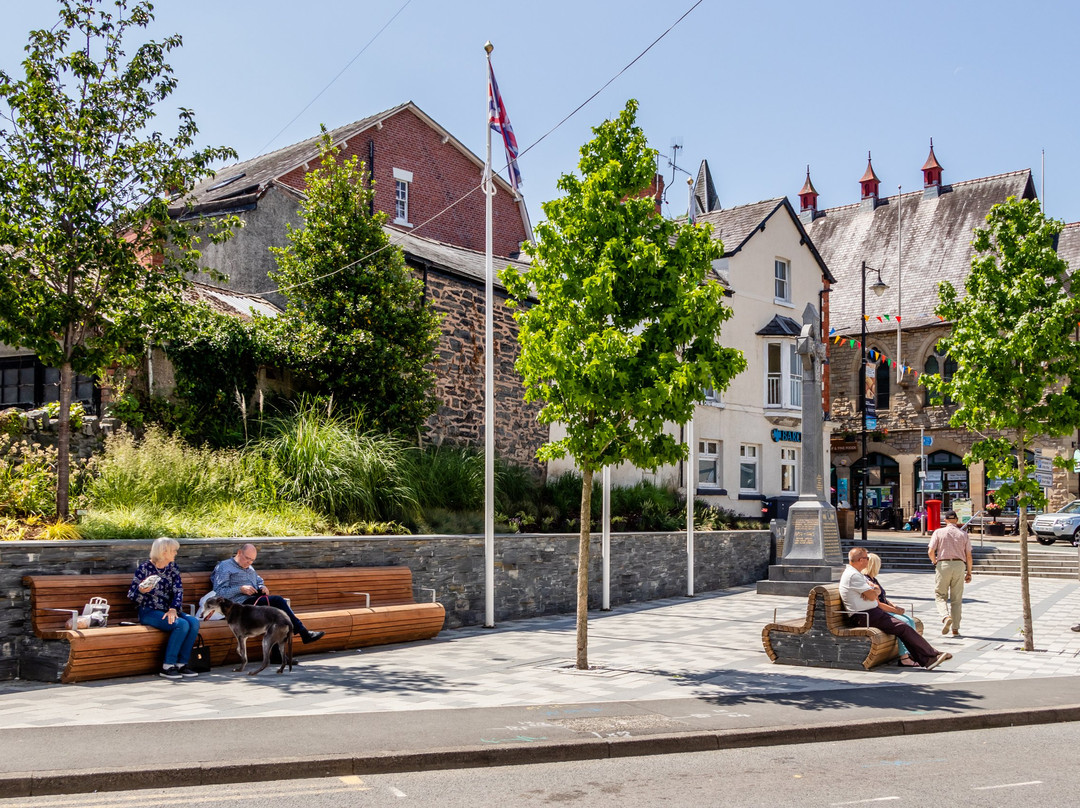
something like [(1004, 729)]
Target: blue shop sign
[(786, 435)]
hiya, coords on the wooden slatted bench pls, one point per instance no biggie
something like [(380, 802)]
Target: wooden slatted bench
[(829, 637), (355, 606)]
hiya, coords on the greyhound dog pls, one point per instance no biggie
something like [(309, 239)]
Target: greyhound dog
[(251, 621)]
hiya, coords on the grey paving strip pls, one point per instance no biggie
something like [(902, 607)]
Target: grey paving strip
[(652, 651)]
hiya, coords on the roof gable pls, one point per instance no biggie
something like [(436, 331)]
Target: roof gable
[(736, 226), (253, 176)]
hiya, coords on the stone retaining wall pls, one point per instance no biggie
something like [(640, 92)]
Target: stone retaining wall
[(534, 574)]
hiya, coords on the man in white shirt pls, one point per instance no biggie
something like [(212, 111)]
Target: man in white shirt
[(860, 596)]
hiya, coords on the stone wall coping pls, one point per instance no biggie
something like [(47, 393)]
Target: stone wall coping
[(33, 543)]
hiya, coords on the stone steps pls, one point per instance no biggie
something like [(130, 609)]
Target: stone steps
[(1004, 561)]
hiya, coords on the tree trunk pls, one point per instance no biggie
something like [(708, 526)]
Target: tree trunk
[(1025, 589), (583, 572), (63, 442)]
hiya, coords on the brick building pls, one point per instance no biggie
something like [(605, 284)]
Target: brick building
[(916, 239), (428, 183)]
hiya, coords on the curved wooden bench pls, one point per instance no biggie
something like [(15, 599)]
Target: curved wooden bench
[(355, 606), (828, 637)]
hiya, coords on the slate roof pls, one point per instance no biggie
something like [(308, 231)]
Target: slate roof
[(735, 226), (251, 177), (781, 326), (458, 260), (226, 301), (1068, 246), (705, 197), (936, 246)]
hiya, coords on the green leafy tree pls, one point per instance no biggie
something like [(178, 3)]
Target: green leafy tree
[(355, 316), (622, 337), (1017, 362), (84, 185)]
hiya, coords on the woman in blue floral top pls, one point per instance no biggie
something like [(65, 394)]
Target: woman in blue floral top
[(157, 590)]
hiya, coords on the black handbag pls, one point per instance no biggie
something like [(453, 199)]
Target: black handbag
[(200, 656)]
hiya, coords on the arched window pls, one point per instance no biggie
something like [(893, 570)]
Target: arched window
[(882, 374), (934, 364)]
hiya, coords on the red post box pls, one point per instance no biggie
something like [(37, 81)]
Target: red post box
[(933, 514)]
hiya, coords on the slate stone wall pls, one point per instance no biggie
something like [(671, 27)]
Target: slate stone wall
[(534, 574), (459, 367)]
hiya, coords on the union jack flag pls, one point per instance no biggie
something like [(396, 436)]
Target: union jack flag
[(500, 122)]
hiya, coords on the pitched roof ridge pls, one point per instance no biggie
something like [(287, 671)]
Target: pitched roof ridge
[(366, 121), (991, 177), (774, 200), (408, 234), (918, 192)]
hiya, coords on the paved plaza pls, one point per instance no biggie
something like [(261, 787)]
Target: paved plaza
[(706, 647)]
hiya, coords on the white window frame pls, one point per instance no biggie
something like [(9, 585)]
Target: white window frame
[(789, 470), (783, 387), (794, 376), (402, 180), (749, 455), (713, 397), (782, 280), (710, 455)]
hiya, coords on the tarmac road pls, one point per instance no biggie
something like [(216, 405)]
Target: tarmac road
[(1000, 767)]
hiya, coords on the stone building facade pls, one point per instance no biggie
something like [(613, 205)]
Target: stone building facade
[(912, 242)]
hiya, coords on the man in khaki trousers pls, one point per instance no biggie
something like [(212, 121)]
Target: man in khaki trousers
[(950, 553)]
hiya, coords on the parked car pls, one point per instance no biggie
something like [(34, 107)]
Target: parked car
[(1063, 525)]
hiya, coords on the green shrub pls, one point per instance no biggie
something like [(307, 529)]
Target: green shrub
[(447, 477), (28, 478), (147, 522), (333, 466), (75, 413), (162, 470), (11, 423)]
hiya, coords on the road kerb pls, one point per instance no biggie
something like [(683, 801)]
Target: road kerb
[(29, 784)]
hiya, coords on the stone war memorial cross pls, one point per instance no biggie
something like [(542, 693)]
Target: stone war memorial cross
[(811, 548)]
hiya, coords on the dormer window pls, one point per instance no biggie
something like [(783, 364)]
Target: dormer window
[(402, 180)]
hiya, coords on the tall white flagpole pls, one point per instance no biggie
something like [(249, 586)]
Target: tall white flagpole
[(489, 383), (690, 468)]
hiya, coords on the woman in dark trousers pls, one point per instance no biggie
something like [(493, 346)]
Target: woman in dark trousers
[(158, 592)]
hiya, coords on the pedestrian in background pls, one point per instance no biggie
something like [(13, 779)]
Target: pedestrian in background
[(950, 553)]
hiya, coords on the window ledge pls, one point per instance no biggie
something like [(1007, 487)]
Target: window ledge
[(403, 223), (750, 495)]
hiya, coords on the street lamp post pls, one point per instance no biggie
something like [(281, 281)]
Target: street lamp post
[(879, 287)]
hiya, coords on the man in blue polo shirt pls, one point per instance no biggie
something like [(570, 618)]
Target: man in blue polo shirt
[(235, 578)]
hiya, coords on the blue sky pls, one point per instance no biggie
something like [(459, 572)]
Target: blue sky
[(758, 89)]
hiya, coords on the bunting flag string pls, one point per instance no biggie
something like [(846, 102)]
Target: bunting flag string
[(884, 318), (874, 354)]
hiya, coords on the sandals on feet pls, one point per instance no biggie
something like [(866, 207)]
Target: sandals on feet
[(907, 662)]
